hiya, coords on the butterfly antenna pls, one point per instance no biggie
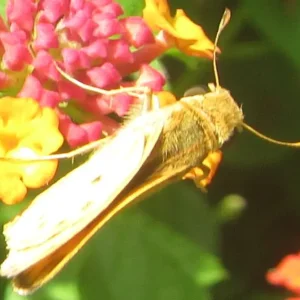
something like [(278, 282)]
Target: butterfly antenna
[(224, 21), (268, 139)]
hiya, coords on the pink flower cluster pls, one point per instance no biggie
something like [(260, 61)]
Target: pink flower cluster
[(88, 39)]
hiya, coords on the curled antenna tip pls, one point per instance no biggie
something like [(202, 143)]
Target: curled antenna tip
[(224, 21)]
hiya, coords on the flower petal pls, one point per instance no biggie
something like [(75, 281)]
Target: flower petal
[(27, 130), (188, 36), (287, 273)]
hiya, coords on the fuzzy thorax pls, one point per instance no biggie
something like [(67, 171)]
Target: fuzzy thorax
[(224, 114)]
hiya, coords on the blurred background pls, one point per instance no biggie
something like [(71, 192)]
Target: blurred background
[(183, 244)]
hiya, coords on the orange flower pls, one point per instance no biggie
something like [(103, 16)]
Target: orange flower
[(26, 131), (287, 273), (185, 34), (212, 161)]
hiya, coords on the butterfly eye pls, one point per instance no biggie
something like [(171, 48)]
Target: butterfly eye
[(196, 90)]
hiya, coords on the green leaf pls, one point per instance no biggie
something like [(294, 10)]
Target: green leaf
[(132, 7), (282, 27), (58, 291), (2, 8), (136, 257), (186, 210)]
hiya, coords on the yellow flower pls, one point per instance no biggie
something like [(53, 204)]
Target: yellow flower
[(186, 35), (26, 131)]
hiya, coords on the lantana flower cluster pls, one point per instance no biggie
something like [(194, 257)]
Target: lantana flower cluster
[(92, 41), (287, 274)]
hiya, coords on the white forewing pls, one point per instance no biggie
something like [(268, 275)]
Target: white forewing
[(65, 208)]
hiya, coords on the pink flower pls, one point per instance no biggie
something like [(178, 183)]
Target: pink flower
[(92, 42)]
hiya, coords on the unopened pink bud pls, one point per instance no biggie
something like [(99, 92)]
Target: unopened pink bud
[(107, 25), (16, 50), (93, 130), (101, 104), (74, 134), (97, 49), (32, 88), (76, 21), (50, 98), (46, 37), (101, 3), (54, 9), (151, 78), (104, 76), (75, 59), (68, 91), (136, 31), (112, 8), (76, 5), (119, 52), (121, 103), (22, 13), (85, 32), (44, 66)]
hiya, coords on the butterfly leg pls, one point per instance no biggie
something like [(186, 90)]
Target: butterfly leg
[(79, 151), (203, 174), (150, 102), (155, 101)]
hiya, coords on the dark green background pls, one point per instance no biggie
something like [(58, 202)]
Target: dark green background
[(181, 244)]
